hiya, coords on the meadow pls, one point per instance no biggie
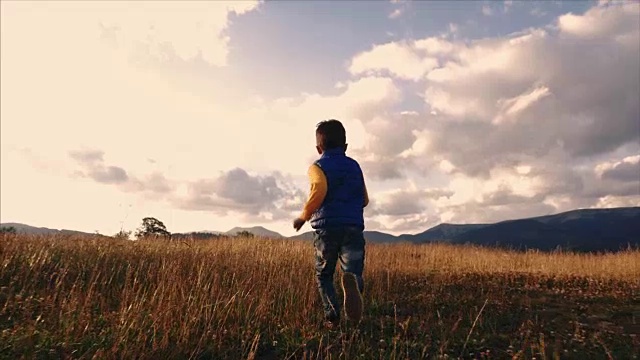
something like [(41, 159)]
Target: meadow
[(85, 298)]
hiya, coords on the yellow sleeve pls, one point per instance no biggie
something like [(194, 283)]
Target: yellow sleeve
[(318, 191)]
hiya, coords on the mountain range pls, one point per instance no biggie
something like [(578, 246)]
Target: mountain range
[(28, 229), (608, 229)]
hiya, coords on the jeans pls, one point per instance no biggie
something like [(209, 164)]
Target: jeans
[(345, 244)]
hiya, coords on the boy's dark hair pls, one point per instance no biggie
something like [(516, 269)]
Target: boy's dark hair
[(330, 134)]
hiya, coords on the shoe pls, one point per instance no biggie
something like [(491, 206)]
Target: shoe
[(352, 297), (330, 325), (331, 322)]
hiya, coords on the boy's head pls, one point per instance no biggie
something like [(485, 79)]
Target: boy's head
[(330, 134)]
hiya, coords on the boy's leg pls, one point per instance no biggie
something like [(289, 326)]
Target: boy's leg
[(352, 256), (327, 247)]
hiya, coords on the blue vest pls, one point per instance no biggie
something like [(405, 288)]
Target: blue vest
[(344, 202)]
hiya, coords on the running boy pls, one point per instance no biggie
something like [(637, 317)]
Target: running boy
[(335, 211)]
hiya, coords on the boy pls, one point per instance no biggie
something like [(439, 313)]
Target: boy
[(335, 211)]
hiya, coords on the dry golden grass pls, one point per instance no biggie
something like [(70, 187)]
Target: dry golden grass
[(255, 298)]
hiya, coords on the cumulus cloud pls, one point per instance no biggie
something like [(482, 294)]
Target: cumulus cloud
[(505, 196), (357, 103), (435, 46), (626, 170), (87, 157), (602, 22), (109, 174), (382, 168), (407, 202), (542, 83), (407, 210), (512, 124), (399, 59), (93, 165), (265, 197), (510, 108), (475, 213), (233, 191), (242, 188), (409, 223), (516, 122), (256, 197), (395, 145), (497, 100), (154, 183)]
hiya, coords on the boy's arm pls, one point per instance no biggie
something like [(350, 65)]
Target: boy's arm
[(318, 182)]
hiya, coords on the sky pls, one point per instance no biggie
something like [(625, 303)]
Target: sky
[(202, 114)]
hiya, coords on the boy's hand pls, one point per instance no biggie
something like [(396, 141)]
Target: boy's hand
[(297, 223)]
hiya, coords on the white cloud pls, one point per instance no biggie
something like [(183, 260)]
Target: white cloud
[(510, 108), (444, 102), (603, 22), (614, 202), (237, 191), (627, 169), (446, 166), (435, 46), (521, 102), (399, 59), (523, 169), (552, 91), (409, 224), (234, 191), (489, 56), (516, 120), (407, 201)]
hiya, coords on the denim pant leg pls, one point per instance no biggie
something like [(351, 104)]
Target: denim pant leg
[(327, 246), (352, 254)]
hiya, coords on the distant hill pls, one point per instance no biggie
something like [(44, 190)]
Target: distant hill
[(32, 230), (307, 236), (255, 230), (381, 237), (442, 233), (580, 230), (209, 234)]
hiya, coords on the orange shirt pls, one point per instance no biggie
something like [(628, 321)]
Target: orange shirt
[(318, 191)]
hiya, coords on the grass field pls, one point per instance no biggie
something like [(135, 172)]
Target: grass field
[(256, 299)]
